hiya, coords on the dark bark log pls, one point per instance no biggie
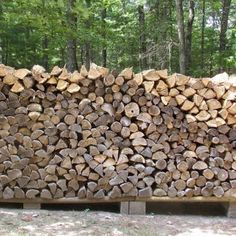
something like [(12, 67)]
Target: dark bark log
[(181, 35), (223, 30), (71, 43), (189, 35)]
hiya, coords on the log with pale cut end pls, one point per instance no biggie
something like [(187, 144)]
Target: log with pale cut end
[(161, 86), (62, 85), (17, 87), (52, 80), (22, 73), (199, 165), (108, 108), (10, 79), (151, 75), (94, 73), (73, 88), (163, 73), (127, 73), (132, 110), (161, 164), (148, 85), (187, 105), (181, 79), (189, 92), (203, 116), (109, 80), (56, 70), (214, 123), (208, 174), (4, 70), (32, 193), (180, 99), (232, 109), (213, 104), (138, 78)]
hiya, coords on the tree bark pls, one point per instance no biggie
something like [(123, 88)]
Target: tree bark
[(203, 34), (104, 50), (1, 52), (223, 30), (87, 44), (71, 43), (1, 41), (45, 43), (181, 35), (142, 39), (45, 53), (189, 35)]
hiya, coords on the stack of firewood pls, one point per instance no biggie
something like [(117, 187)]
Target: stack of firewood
[(92, 134)]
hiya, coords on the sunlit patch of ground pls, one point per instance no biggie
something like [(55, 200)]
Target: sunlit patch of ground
[(15, 222)]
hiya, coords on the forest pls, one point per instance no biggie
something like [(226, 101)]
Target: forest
[(196, 37)]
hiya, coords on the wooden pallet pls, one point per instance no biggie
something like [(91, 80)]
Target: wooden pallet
[(131, 205)]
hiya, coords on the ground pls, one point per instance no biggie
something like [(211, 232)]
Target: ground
[(19, 222)]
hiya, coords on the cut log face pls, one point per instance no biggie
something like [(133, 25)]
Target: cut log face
[(93, 134), (132, 110)]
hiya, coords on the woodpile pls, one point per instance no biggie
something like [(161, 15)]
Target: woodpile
[(96, 133)]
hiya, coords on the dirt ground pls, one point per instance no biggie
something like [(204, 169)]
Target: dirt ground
[(19, 222)]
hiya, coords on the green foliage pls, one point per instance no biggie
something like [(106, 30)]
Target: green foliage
[(26, 25)]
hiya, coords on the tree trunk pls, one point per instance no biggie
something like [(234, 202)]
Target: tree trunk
[(189, 35), (71, 43), (87, 44), (45, 52), (87, 55), (104, 50), (142, 40), (223, 30), (1, 41), (181, 35), (1, 52), (45, 42), (203, 34)]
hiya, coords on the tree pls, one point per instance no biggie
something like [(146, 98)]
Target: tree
[(223, 30), (203, 33), (197, 39), (71, 63), (142, 40), (181, 35), (104, 50), (45, 42), (87, 42), (188, 39)]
